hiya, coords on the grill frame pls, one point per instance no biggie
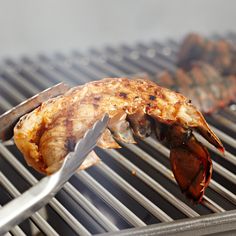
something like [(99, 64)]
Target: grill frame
[(204, 225), (103, 63)]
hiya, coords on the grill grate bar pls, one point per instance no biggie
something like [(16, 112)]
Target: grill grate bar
[(16, 231), (156, 58), (60, 67), (113, 70), (37, 218), (43, 81), (157, 53), (230, 111), (11, 90), (213, 184), (224, 137), (54, 203), (101, 62), (224, 172), (110, 199), (212, 205), (4, 103), (214, 224), (44, 69), (138, 58), (118, 60), (166, 51), (227, 155), (90, 208), (224, 121), (133, 58), (98, 62), (80, 64), (35, 76), (166, 172), (135, 194), (223, 191), (152, 183), (165, 60), (11, 73)]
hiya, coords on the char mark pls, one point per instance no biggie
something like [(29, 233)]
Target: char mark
[(123, 95), (96, 106), (152, 97), (97, 98)]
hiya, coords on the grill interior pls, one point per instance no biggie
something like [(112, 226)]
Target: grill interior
[(131, 187)]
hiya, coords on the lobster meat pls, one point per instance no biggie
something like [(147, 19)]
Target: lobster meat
[(221, 54), (208, 90)]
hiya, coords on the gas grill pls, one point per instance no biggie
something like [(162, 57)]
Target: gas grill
[(132, 190)]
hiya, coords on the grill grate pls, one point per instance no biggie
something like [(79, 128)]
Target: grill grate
[(132, 187)]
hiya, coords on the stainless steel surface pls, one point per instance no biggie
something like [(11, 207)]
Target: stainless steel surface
[(37, 196), (131, 187)]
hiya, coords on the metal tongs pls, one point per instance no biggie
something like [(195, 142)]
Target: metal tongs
[(40, 194)]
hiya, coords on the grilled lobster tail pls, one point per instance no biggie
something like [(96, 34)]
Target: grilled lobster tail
[(48, 133)]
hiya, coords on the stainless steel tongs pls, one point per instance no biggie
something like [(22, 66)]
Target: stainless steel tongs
[(40, 194)]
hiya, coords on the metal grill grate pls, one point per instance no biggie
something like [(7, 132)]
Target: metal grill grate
[(132, 187)]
